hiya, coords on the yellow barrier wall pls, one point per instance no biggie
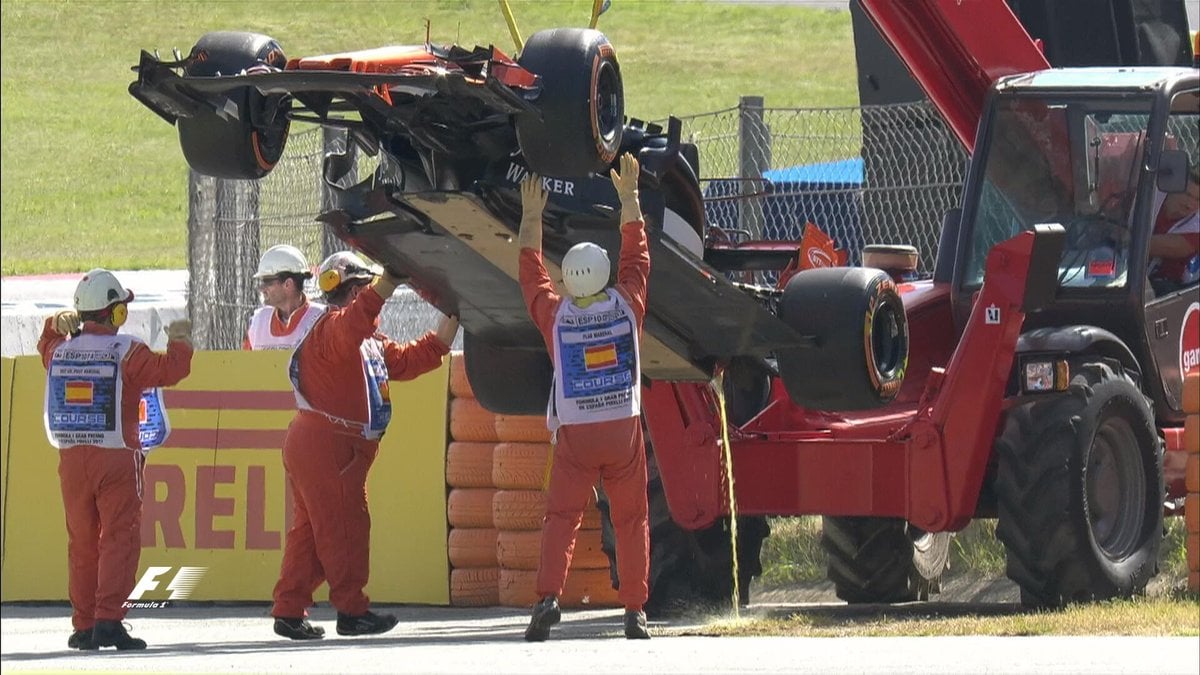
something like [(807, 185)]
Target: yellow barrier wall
[(7, 366), (216, 493)]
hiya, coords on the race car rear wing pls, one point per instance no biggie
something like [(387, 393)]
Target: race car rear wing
[(171, 95)]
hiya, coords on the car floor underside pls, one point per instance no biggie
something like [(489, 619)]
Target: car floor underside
[(464, 259)]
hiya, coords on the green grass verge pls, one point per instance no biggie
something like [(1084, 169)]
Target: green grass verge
[(93, 178), (793, 554)]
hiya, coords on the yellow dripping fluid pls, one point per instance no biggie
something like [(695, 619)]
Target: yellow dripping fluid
[(727, 456)]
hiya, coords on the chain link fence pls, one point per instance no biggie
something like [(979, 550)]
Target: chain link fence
[(879, 174), (232, 222), (866, 175)]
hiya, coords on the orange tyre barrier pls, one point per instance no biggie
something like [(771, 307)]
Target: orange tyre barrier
[(524, 509), (1191, 433), (584, 588), (521, 550), (519, 466), (470, 507), (460, 387), (525, 428), (475, 588), (470, 421), (518, 509), (1191, 393), (1193, 551), (1192, 472), (469, 464), (1191, 513), (472, 547)]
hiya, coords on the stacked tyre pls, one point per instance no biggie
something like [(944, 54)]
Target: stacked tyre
[(496, 467), (474, 570), (1191, 508), (519, 472)]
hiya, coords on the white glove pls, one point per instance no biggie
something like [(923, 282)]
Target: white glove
[(180, 329), (66, 322), (386, 283)]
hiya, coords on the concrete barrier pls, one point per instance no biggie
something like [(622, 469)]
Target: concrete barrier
[(160, 297)]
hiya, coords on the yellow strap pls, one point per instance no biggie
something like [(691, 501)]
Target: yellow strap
[(718, 385), (512, 24), (587, 300), (596, 6)]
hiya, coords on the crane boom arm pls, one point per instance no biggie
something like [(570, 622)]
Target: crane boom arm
[(956, 50)]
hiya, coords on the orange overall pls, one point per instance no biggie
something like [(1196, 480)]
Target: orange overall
[(612, 451), (326, 456), (102, 487)]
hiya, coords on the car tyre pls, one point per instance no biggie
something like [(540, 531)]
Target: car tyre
[(859, 351), (246, 138), (1079, 489), (508, 380), (581, 103), (883, 559)]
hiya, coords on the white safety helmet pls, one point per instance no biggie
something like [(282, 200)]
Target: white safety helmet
[(282, 259), (98, 290), (340, 268), (585, 269)]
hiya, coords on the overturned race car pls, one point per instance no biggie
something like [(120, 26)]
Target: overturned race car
[(458, 130)]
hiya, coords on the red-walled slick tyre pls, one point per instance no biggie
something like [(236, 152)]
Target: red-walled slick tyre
[(859, 352), (246, 138), (582, 103)]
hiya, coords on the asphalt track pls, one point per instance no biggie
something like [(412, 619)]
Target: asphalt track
[(488, 641)]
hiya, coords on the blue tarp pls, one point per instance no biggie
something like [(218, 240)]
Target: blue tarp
[(842, 171), (827, 194)]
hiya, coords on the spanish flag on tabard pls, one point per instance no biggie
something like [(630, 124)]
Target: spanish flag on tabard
[(78, 392), (600, 356)]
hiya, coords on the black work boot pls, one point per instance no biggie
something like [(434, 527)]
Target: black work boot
[(81, 639), (635, 625), (113, 634), (297, 629), (365, 624), (545, 614)]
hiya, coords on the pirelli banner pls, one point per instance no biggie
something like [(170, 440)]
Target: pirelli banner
[(216, 503)]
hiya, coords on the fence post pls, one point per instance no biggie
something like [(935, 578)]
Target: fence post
[(201, 230), (333, 141), (236, 249), (754, 154)]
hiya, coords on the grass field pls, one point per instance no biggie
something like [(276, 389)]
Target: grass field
[(792, 557), (793, 553), (92, 178)]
